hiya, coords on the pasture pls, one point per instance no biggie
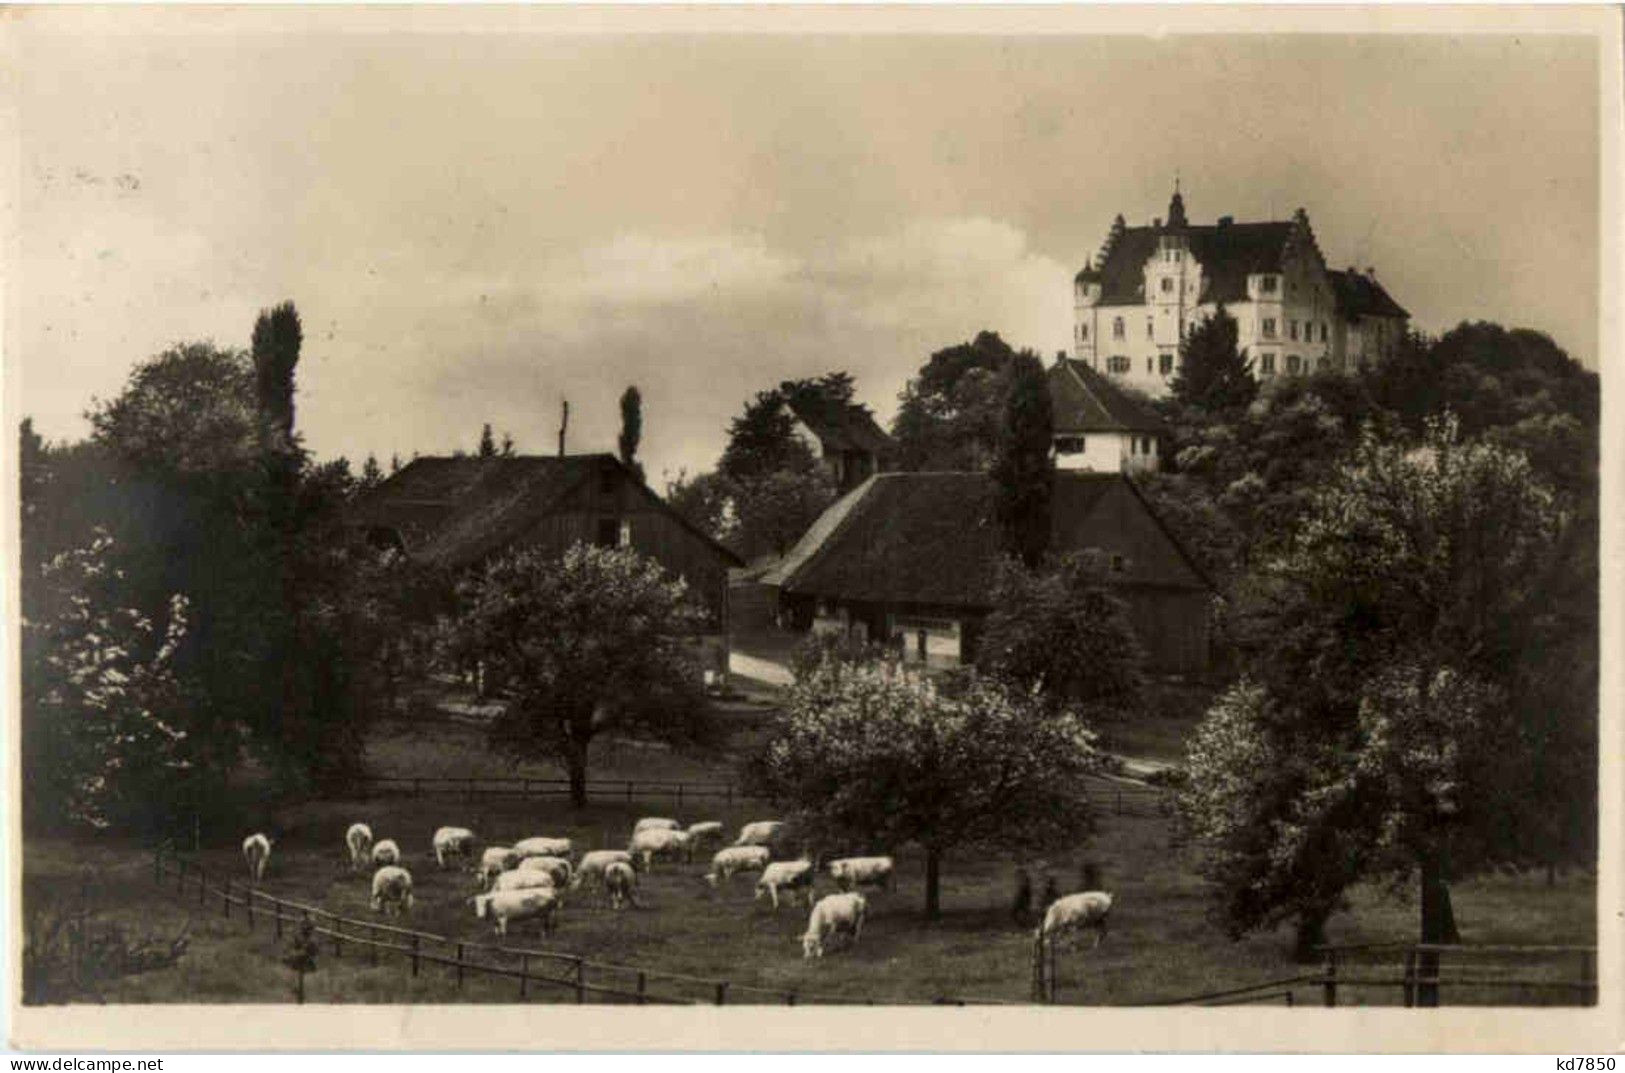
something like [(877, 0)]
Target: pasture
[(1162, 945)]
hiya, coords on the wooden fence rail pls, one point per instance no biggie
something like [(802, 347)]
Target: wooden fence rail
[(463, 958)]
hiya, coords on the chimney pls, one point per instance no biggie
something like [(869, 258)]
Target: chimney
[(1371, 273), (1226, 221), (564, 425), (1156, 221)]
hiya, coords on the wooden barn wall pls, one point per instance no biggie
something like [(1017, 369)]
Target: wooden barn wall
[(1120, 524), (1173, 627), (655, 533)]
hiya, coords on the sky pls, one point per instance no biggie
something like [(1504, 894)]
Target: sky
[(476, 226)]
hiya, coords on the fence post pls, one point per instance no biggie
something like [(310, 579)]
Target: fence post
[(414, 954), (248, 907), (180, 875), (629, 789), (1330, 984), (581, 981), (525, 790), (722, 988), (158, 865), (276, 912), (1410, 977), (643, 988), (524, 973), (372, 933), (459, 966), (338, 936), (202, 887), (730, 805), (1588, 977), (1119, 802), (1289, 998), (225, 898)]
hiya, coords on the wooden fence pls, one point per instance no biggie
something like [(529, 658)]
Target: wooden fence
[(1425, 975), (533, 972)]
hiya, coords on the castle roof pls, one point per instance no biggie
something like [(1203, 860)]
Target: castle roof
[(1227, 252), (1361, 295), (842, 427)]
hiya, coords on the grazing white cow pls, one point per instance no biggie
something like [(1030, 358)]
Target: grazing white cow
[(734, 859), (656, 823), (557, 867), (523, 880), (507, 906), (391, 890), (621, 883), (358, 839), (593, 864), (852, 872), (652, 842), (452, 842), (493, 862), (386, 852), (1074, 913), (544, 847), (703, 835), (256, 851), (760, 833), (834, 915), (787, 876)]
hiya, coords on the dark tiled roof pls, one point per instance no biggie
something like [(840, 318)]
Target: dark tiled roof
[(931, 538), (1085, 401), (1228, 254), (1360, 295), (456, 511), (844, 428)]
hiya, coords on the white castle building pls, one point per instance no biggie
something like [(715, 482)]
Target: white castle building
[(1151, 285)]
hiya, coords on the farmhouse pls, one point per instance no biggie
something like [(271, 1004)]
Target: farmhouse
[(1149, 286), (1099, 427), (457, 512), (844, 437), (914, 554)]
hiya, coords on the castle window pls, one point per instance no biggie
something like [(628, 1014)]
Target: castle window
[(1149, 333), (1323, 331), (1269, 327), (1267, 364), (1117, 564), (1292, 328), (1167, 285), (1293, 364), (1117, 327), (1267, 284), (1148, 366), (1083, 333), (1117, 363), (1165, 363)]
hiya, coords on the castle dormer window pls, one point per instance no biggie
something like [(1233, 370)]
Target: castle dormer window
[(1267, 284), (1167, 285)]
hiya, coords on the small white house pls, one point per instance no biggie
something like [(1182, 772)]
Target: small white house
[(1099, 428)]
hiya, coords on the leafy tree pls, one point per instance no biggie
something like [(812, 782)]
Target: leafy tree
[(189, 412), (276, 342), (591, 643), (372, 475), (1063, 633), (104, 709), (707, 501), (1024, 466), (775, 509), (1213, 373), (872, 756), (394, 463), (488, 443), (507, 445), (762, 440), (631, 429), (1396, 641), (948, 414)]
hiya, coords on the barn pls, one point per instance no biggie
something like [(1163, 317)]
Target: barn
[(914, 554), (457, 512)]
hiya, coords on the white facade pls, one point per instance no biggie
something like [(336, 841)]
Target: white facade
[(1106, 452), (1287, 317)]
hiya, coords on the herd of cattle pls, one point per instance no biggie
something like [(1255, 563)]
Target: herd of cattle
[(529, 880)]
